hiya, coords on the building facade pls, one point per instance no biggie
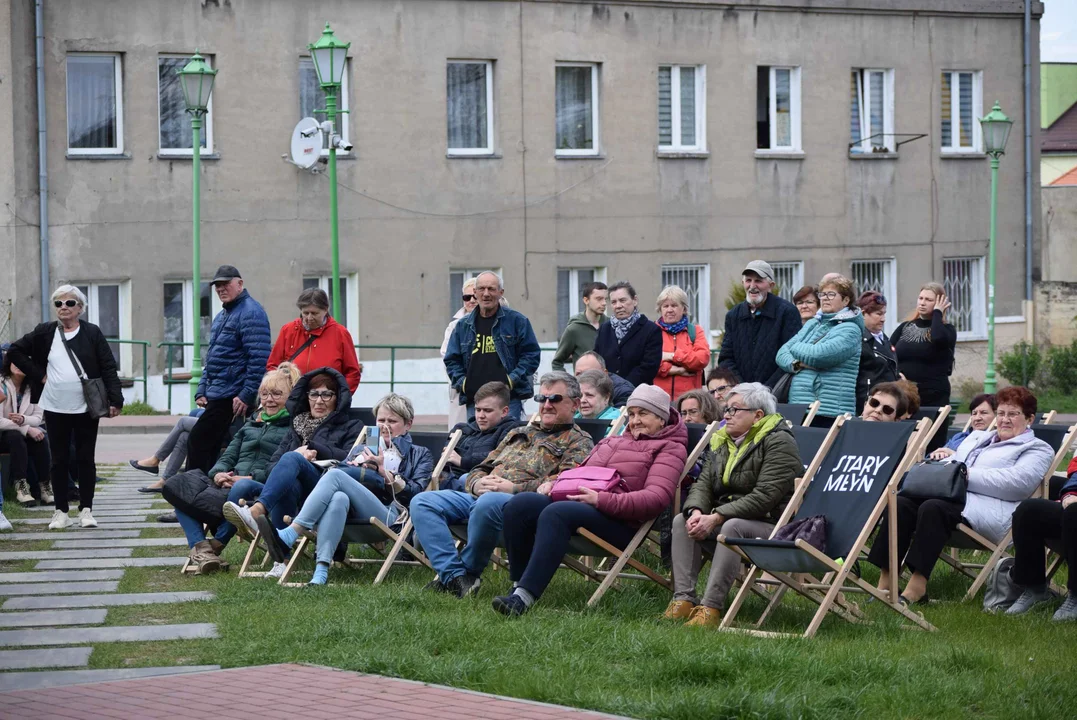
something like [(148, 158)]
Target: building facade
[(555, 142)]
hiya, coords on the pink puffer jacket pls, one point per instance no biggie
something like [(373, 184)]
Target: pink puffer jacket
[(649, 466)]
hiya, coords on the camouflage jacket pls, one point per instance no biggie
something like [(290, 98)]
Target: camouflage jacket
[(530, 455)]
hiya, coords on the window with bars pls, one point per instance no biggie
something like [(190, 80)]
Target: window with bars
[(570, 282), (872, 117), (962, 104), (789, 277), (312, 97), (682, 101), (778, 109), (878, 276), (963, 280), (349, 298), (695, 280), (469, 98)]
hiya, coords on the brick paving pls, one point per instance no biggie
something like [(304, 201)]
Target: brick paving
[(274, 692)]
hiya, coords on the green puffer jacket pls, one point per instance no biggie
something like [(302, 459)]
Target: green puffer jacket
[(252, 446), (758, 482)]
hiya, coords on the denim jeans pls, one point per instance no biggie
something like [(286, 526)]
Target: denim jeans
[(342, 493), (433, 512), (193, 529), (292, 479)]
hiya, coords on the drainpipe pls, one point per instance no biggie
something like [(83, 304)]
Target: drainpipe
[(1028, 150), (42, 160)]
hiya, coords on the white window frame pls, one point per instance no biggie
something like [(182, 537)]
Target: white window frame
[(489, 149), (468, 274), (797, 268), (343, 125), (207, 119), (118, 69), (215, 306), (955, 112), (575, 291), (704, 304), (351, 283), (888, 140), (596, 124), (978, 294), (91, 315), (675, 109), (794, 110), (889, 291)]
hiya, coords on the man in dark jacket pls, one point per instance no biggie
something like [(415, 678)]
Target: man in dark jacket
[(757, 328), (239, 345), (622, 389), (481, 435), (581, 331)]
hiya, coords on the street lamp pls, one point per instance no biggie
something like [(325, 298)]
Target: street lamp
[(329, 56), (996, 130), (196, 79)]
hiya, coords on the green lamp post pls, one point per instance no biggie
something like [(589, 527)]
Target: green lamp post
[(329, 56), (996, 130), (196, 79)]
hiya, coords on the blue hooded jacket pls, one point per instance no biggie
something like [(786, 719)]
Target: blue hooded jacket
[(239, 345)]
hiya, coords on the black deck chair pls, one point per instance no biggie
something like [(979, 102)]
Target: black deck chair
[(363, 413)]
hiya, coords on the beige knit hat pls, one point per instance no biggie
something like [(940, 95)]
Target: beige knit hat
[(651, 398)]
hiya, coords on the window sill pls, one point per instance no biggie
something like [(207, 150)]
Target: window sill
[(963, 156), (98, 156), (476, 156), (779, 154), (682, 154), (874, 156), (177, 156), (596, 156)]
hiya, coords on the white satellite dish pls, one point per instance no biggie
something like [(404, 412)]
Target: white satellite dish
[(307, 143)]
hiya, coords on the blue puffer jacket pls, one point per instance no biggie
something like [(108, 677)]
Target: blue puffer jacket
[(239, 345), (828, 348), (516, 345)]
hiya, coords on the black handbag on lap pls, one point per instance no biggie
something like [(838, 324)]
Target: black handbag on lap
[(933, 480)]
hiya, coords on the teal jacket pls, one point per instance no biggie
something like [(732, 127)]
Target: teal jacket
[(828, 348)]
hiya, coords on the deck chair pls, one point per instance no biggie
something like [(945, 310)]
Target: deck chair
[(799, 413), (363, 413), (1049, 417), (939, 416), (597, 429), (1060, 438), (374, 532), (587, 544), (853, 502)]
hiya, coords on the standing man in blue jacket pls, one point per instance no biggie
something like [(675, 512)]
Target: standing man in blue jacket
[(492, 344), (239, 345)]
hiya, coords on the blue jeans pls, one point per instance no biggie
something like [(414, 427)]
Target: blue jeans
[(292, 479), (193, 529), (342, 493), (433, 512)]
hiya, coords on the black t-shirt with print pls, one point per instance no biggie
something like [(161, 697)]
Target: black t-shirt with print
[(485, 364)]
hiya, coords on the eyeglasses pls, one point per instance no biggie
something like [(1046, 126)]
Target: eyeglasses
[(1010, 415), (325, 395), (807, 302), (984, 413), (720, 389), (278, 394), (731, 410), (828, 295), (467, 298), (552, 399), (876, 403), (68, 303)]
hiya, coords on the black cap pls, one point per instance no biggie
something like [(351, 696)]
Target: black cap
[(224, 274)]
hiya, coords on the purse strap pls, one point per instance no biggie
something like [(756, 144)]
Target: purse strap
[(301, 348), (71, 354)]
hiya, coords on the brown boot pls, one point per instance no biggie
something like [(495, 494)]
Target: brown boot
[(204, 558), (679, 610), (704, 616), (216, 546)]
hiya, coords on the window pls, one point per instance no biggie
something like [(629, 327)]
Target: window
[(312, 97), (963, 280), (94, 104), (349, 298), (696, 281), (470, 101), (457, 278), (577, 109), (570, 282), (878, 276), (789, 276), (872, 118), (178, 309), (961, 106), (108, 306), (682, 102), (778, 109), (174, 123)]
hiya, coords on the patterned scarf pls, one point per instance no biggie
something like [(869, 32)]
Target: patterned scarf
[(679, 326), (305, 424), (621, 327)]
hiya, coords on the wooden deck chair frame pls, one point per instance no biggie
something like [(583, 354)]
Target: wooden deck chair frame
[(384, 532), (969, 537), (813, 410), (838, 578)]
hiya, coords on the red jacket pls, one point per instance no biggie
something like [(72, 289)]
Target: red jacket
[(693, 357), (333, 347), (650, 466)]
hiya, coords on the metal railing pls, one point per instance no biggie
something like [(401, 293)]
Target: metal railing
[(167, 377), (392, 381), (145, 364)]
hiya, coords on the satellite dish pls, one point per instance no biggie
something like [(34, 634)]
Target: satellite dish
[(307, 143)]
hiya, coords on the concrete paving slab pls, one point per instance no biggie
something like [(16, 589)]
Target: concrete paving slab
[(122, 633), (51, 658), (133, 524), (59, 602), (85, 534), (48, 618), (60, 576), (59, 678), (65, 554), (132, 543), (104, 563), (103, 523), (61, 588)]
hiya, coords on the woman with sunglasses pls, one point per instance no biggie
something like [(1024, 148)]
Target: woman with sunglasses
[(45, 355), (878, 362), (458, 412), (886, 403)]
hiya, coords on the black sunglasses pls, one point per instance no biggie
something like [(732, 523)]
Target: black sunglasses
[(887, 409), (468, 298), (878, 299), (61, 303), (553, 399)]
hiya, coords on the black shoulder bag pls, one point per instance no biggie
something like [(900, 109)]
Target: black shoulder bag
[(92, 388), (933, 480)]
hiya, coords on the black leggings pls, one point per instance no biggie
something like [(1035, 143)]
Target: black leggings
[(82, 429), (23, 449)]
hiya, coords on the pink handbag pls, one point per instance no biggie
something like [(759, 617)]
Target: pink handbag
[(599, 479)]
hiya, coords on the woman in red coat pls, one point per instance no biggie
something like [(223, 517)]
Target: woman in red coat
[(685, 350), (649, 458), (315, 340)]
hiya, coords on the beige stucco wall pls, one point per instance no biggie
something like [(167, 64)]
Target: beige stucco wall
[(1060, 233)]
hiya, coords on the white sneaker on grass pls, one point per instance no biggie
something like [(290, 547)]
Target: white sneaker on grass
[(60, 520), (86, 518), (276, 571), (5, 524), (242, 519)]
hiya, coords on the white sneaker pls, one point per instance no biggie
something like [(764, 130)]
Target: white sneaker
[(22, 492), (60, 520), (242, 519), (276, 571), (86, 519), (5, 524)]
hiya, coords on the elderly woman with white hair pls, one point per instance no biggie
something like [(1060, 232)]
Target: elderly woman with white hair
[(742, 491), (685, 350), (56, 356)]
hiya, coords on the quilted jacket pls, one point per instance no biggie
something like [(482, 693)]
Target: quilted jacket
[(828, 348), (252, 446), (531, 455), (239, 345)]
